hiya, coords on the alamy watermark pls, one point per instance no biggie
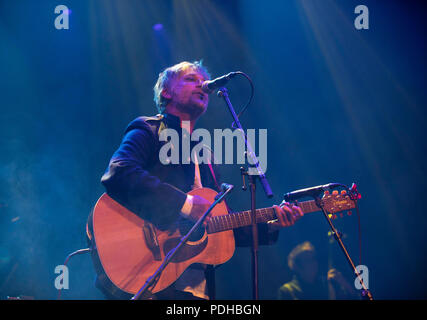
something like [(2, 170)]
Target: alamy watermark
[(202, 151), (62, 281), (363, 272), (62, 21), (362, 20)]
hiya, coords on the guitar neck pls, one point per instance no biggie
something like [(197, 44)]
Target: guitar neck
[(244, 218)]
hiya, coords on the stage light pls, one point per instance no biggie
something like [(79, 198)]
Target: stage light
[(158, 27)]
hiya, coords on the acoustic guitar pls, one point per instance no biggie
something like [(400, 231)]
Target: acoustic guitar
[(130, 249)]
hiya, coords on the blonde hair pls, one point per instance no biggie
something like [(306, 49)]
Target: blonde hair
[(298, 250), (167, 75)]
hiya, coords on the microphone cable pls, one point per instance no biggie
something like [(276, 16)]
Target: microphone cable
[(233, 125)]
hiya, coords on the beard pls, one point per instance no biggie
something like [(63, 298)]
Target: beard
[(193, 108)]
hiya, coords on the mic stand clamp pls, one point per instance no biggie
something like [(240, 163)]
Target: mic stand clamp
[(366, 294), (152, 280)]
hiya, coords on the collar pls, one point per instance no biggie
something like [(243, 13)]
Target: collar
[(172, 121)]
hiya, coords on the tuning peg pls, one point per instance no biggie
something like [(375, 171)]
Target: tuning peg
[(354, 194), (335, 192), (326, 193), (343, 192)]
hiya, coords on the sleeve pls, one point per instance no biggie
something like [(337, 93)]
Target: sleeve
[(243, 236), (129, 182), (188, 205)]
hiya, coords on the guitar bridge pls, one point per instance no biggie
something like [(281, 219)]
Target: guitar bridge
[(151, 240)]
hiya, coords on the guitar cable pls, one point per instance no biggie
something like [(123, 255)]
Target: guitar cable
[(80, 251), (359, 232), (355, 195)]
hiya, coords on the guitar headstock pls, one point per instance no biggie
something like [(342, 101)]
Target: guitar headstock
[(337, 202)]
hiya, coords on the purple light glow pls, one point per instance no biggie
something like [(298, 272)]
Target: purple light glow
[(158, 27)]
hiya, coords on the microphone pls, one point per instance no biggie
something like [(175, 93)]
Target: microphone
[(209, 86), (309, 192), (225, 188)]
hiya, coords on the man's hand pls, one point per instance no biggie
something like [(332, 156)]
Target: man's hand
[(338, 286), (335, 276), (200, 206), (287, 214)]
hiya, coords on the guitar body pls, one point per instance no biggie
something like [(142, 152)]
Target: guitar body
[(130, 249)]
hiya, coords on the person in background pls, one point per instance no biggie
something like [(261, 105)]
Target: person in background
[(308, 284)]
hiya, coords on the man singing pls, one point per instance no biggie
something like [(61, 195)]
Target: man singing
[(138, 180)]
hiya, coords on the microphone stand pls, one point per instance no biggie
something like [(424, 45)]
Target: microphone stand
[(152, 280), (366, 294), (223, 92)]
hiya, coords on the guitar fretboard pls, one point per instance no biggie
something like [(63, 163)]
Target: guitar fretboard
[(244, 218)]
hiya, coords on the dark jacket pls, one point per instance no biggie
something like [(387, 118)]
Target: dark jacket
[(138, 180)]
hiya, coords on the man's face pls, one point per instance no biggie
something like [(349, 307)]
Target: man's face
[(186, 93), (307, 266)]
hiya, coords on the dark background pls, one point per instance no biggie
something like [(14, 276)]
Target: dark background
[(340, 105)]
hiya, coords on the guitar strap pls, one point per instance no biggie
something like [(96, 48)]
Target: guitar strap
[(210, 269), (217, 185)]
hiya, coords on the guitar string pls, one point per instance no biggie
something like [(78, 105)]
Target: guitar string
[(222, 220), (225, 222)]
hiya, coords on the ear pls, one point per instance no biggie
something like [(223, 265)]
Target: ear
[(165, 94)]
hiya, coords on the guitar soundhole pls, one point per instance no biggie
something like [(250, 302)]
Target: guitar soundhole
[(184, 227), (194, 245)]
